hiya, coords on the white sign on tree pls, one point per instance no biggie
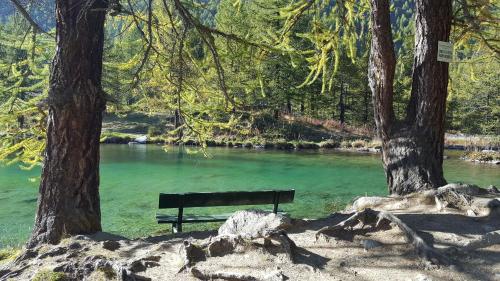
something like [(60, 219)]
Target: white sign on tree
[(445, 51)]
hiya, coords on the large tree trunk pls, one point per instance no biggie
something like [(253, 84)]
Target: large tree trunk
[(412, 148), (68, 201)]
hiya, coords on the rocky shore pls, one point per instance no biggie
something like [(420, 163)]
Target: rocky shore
[(431, 236)]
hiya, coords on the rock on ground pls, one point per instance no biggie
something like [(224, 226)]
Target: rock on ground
[(254, 223)]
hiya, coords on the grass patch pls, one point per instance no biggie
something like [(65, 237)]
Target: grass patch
[(477, 141), (359, 144), (114, 136), (482, 156), (8, 254), (305, 145), (345, 144), (335, 206), (329, 144), (375, 144), (48, 275)]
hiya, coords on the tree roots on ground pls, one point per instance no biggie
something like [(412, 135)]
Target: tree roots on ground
[(379, 220), (232, 276)]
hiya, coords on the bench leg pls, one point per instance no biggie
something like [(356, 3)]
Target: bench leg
[(176, 227)]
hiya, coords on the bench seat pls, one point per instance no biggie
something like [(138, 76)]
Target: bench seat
[(192, 218), (197, 218)]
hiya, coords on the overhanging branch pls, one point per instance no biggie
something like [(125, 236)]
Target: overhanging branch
[(26, 15)]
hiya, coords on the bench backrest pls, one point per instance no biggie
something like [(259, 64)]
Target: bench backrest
[(230, 198)]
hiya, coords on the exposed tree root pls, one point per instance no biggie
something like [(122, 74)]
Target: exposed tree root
[(489, 239), (221, 275), (463, 197), (422, 249), (365, 217), (6, 274), (232, 276), (379, 219)]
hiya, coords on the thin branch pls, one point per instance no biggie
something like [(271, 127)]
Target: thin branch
[(209, 40), (149, 40), (26, 15)]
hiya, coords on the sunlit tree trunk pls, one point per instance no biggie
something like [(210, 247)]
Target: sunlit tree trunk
[(68, 201), (412, 150), (341, 104), (366, 104), (288, 106)]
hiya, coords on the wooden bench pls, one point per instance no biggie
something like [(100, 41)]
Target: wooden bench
[(213, 199)]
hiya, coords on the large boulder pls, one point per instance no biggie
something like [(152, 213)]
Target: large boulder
[(254, 223)]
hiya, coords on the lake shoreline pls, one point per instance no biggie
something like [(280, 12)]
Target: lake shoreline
[(268, 145), (478, 155), (347, 144)]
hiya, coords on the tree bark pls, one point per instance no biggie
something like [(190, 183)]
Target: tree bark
[(68, 201), (412, 149)]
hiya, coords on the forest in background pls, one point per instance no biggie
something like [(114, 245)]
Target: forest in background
[(272, 75)]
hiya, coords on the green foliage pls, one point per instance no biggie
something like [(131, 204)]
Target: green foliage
[(24, 70), (476, 27), (474, 98)]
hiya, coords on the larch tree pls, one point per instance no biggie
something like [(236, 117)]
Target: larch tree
[(412, 148), (68, 201)]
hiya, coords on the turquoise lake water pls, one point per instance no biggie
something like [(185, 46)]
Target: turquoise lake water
[(133, 176)]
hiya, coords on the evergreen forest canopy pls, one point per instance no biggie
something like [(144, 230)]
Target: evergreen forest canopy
[(242, 63)]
